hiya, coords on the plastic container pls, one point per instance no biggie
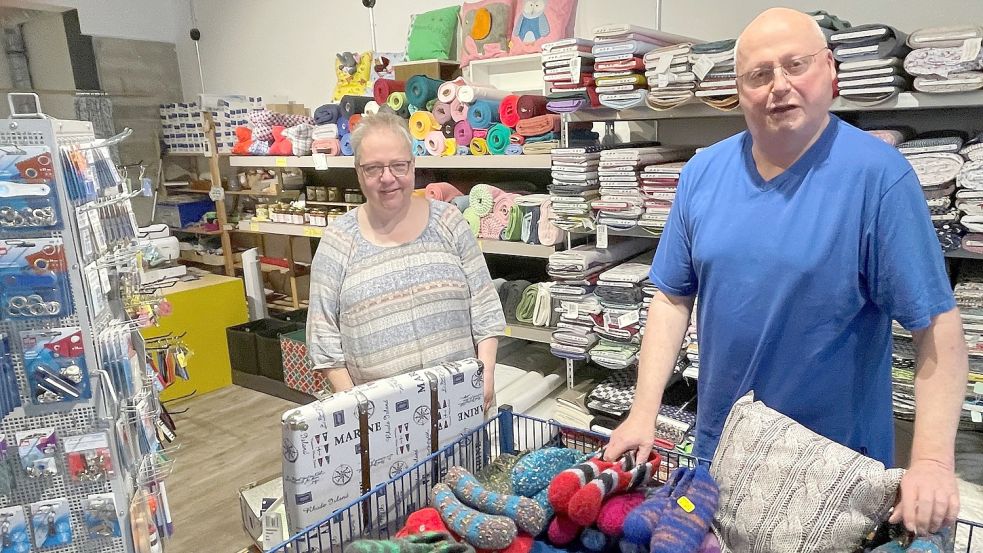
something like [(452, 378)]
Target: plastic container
[(242, 343), (268, 350)]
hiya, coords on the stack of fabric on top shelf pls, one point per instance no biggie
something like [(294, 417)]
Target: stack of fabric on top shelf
[(713, 65), (969, 194), (670, 76), (619, 291), (619, 70), (869, 57), (574, 185), (576, 272), (568, 68), (936, 160), (621, 203), (658, 184), (946, 59)]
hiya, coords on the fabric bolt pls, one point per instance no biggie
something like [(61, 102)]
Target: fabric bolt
[(397, 101), (411, 109), (479, 147), (447, 91), (538, 125), (329, 146), (435, 142), (450, 146), (872, 95), (420, 89), (936, 168), (422, 123), (461, 202), (623, 100), (442, 191), (473, 94), (508, 110), (354, 121), (483, 114), (327, 114), (442, 113), (382, 88), (420, 148), (447, 129), (350, 105), (443, 267), (345, 145), (514, 150), (866, 42), (944, 37), (941, 62), (320, 132), (970, 176), (459, 110), (343, 127), (373, 107), (963, 81), (300, 138), (463, 133), (483, 198), (498, 139)]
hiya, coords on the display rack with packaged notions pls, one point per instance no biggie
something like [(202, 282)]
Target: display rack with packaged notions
[(81, 465)]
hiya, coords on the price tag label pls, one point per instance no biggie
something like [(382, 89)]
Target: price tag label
[(508, 331), (662, 64), (280, 162), (685, 504), (971, 49), (314, 232), (628, 319), (702, 66), (321, 162), (572, 310), (602, 237)]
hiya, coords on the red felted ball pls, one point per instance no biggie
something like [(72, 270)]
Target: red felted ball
[(563, 530), (425, 520), (611, 519)]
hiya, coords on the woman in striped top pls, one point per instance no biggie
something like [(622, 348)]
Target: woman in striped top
[(399, 283)]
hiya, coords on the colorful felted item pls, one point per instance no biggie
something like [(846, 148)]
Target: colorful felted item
[(382, 88), (442, 113), (397, 101), (345, 145), (528, 515), (534, 472), (479, 529), (562, 530), (425, 520), (499, 138), (686, 521), (422, 123), (432, 34), (592, 539), (521, 544), (352, 104), (479, 147), (508, 110), (328, 146), (531, 105), (373, 107), (447, 129), (469, 94), (450, 146), (300, 138), (281, 144), (244, 139), (420, 148), (442, 191), (459, 110), (483, 199), (483, 114), (710, 544), (420, 89), (354, 121), (485, 29), (473, 220), (566, 484), (538, 125), (447, 91), (327, 114), (463, 132), (538, 22), (343, 127), (641, 522), (436, 143), (426, 542), (611, 519), (585, 505)]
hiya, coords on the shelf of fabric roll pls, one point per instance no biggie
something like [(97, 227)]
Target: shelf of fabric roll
[(517, 249), (963, 254), (529, 333), (637, 232), (422, 162), (694, 109)]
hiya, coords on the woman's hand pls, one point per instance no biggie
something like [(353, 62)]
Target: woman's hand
[(489, 397)]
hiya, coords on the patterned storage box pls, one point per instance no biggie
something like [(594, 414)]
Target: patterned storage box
[(297, 367)]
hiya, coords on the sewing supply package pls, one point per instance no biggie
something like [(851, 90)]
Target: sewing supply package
[(14, 535), (37, 450), (51, 523), (329, 461), (99, 514), (54, 360), (34, 279), (27, 189), (89, 457)]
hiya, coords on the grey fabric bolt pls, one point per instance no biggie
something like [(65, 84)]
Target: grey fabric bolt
[(889, 43), (940, 62), (871, 95), (949, 144), (935, 169), (942, 37)]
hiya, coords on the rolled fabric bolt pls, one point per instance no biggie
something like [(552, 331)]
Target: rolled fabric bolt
[(422, 123), (450, 146), (435, 143), (473, 220), (531, 105), (327, 114), (372, 108), (411, 109), (442, 112), (508, 110), (448, 129), (513, 150), (482, 114), (420, 89), (343, 127), (351, 105), (459, 111), (480, 133), (397, 101), (479, 147), (329, 146), (498, 139), (447, 91), (472, 94), (463, 150), (419, 148), (345, 143), (430, 104), (382, 88), (353, 122), (463, 132)]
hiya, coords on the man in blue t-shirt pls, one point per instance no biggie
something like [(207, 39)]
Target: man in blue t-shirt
[(803, 238)]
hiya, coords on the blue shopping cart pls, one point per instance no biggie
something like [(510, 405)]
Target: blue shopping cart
[(382, 511)]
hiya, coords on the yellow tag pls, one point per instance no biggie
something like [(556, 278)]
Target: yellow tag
[(508, 331), (182, 359), (313, 231), (280, 162), (481, 245), (254, 227), (686, 504)]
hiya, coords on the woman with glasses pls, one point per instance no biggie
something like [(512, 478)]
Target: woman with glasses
[(399, 283)]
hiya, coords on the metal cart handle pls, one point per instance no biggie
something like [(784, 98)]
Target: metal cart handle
[(36, 114)]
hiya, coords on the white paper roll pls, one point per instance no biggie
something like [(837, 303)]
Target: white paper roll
[(506, 375), (518, 387), (534, 394)]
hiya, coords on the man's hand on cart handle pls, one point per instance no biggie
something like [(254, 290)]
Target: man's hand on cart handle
[(634, 433)]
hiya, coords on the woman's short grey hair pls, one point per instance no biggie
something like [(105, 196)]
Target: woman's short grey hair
[(377, 122)]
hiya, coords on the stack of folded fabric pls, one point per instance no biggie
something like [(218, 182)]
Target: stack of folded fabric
[(828, 22), (713, 66), (670, 76), (892, 136), (621, 202), (574, 185), (615, 395), (539, 134), (969, 194), (946, 59), (657, 185), (619, 70), (619, 291), (870, 57), (937, 162), (527, 214), (568, 68), (571, 405)]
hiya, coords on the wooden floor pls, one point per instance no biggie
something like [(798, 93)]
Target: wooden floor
[(229, 438)]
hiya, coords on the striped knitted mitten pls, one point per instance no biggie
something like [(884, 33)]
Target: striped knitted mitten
[(642, 521), (526, 513), (427, 542), (585, 505), (685, 522), (566, 484), (479, 529)]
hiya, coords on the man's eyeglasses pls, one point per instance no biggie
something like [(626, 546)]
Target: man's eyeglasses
[(397, 168), (764, 75)]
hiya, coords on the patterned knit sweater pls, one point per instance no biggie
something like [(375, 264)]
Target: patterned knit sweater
[(383, 311)]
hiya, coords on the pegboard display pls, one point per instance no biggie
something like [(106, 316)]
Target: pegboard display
[(76, 434)]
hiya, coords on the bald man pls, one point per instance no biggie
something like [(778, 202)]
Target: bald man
[(803, 237)]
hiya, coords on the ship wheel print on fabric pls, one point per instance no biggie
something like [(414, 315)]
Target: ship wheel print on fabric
[(342, 475), (476, 380), (398, 467), (289, 451), (421, 415)]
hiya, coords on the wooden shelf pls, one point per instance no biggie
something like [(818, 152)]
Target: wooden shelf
[(695, 109), (201, 232), (518, 249), (335, 204), (422, 162), (963, 254), (271, 268), (529, 333)]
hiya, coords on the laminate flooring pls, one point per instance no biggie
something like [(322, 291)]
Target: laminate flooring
[(229, 438)]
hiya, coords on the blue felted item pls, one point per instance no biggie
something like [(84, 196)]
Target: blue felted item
[(681, 529), (463, 151), (544, 501), (534, 471), (343, 127), (593, 539), (642, 521), (346, 145), (479, 529), (420, 89), (419, 148), (461, 202), (540, 546), (526, 513), (326, 114)]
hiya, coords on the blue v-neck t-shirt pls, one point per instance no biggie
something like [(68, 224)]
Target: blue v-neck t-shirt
[(798, 278)]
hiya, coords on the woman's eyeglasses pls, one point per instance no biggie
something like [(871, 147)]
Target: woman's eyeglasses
[(397, 168), (764, 75)]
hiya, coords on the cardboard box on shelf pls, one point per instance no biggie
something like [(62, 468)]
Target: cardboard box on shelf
[(290, 108), (435, 69)]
